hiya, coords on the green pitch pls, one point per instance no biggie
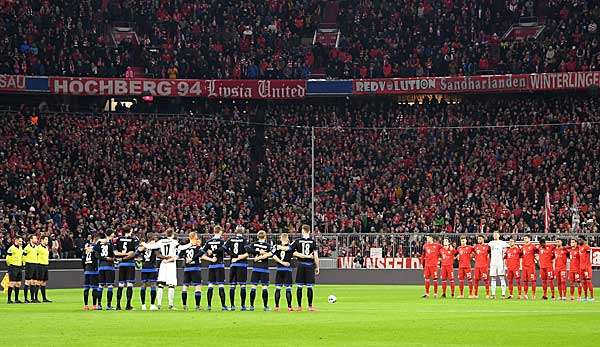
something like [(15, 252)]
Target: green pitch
[(363, 316)]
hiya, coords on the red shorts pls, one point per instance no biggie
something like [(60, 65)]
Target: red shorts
[(561, 274), (586, 273), (464, 272), (481, 273), (529, 274), (513, 274), (547, 273), (430, 272), (448, 272), (573, 276)]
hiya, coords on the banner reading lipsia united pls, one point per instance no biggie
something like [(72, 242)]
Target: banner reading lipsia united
[(478, 84), (223, 89)]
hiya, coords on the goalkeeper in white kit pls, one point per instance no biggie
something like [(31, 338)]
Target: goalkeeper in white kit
[(497, 268)]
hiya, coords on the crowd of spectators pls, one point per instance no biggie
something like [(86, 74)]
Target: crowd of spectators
[(273, 39), (480, 165)]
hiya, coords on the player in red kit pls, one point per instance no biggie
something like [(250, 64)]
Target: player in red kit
[(465, 255), (585, 269), (482, 266), (430, 259), (529, 251), (448, 255), (560, 269), (546, 257), (513, 264), (574, 269)]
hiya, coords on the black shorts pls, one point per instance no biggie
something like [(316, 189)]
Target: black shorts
[(238, 275), (193, 278), (127, 274), (30, 272), (216, 275), (42, 273), (106, 277), (15, 273), (283, 278), (305, 275), (90, 280), (259, 278), (149, 277)]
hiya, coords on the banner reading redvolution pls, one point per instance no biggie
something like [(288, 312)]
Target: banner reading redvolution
[(381, 263), (222, 89), (478, 84), (12, 83)]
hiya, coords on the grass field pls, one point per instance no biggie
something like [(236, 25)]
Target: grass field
[(363, 316)]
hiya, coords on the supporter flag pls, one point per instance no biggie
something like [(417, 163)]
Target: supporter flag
[(4, 283), (575, 216), (547, 213)]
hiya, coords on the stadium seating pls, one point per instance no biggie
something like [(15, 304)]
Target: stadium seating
[(398, 170), (274, 39)]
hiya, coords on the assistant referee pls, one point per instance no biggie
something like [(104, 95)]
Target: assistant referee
[(14, 260), (30, 259), (43, 255)]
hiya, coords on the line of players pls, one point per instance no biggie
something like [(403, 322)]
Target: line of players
[(499, 259), (158, 270)]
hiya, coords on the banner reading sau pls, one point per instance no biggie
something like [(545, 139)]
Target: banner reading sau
[(221, 89), (12, 83), (478, 84)]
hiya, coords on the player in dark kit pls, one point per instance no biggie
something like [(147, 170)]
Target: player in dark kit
[(238, 270), (125, 250), (149, 273), (216, 269), (261, 251), (192, 256), (283, 276), (106, 270), (308, 266), (90, 273)]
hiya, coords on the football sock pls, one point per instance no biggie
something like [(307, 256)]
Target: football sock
[(109, 296), (510, 287), (198, 297), (129, 294), (435, 286), (585, 288), (493, 285), (299, 296), (552, 287), (526, 287), (10, 290), (579, 289), (277, 296), (34, 296), (171, 295), (94, 295), (243, 295), (545, 287), (100, 295), (209, 295), (252, 296), (572, 289), (232, 295), (533, 286), (43, 290), (17, 289), (26, 291), (503, 285), (86, 293), (143, 295), (265, 296), (487, 287), (119, 296), (452, 287), (591, 288), (461, 286), (309, 295), (159, 295), (444, 286), (222, 295), (288, 296), (184, 297), (427, 285), (152, 295)]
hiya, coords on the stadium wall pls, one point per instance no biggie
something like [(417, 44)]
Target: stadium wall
[(66, 276)]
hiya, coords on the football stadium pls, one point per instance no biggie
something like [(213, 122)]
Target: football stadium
[(302, 173)]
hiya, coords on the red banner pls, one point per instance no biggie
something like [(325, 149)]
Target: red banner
[(595, 256), (380, 263), (478, 84), (220, 89), (12, 83)]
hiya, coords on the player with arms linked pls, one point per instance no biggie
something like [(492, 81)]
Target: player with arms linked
[(261, 252), (192, 256), (430, 260), (465, 255), (283, 276), (149, 273), (585, 269), (90, 275), (305, 249), (126, 247), (513, 265), (238, 270), (482, 266), (214, 249), (106, 270)]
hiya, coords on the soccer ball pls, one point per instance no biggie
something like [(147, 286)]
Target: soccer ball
[(331, 299)]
